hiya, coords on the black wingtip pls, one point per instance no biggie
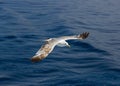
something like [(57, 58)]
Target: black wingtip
[(84, 35)]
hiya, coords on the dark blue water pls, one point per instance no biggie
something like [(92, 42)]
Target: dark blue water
[(24, 24)]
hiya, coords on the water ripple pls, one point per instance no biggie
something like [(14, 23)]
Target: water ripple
[(92, 62)]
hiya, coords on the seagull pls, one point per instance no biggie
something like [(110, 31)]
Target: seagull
[(50, 43)]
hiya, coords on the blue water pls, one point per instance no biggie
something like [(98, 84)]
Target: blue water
[(24, 24)]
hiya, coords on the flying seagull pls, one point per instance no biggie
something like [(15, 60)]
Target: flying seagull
[(52, 42)]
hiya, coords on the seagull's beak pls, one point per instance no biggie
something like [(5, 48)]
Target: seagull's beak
[(68, 45)]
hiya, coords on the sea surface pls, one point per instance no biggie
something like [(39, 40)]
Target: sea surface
[(25, 24)]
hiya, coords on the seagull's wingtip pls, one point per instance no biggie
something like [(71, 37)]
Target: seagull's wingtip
[(35, 59), (84, 35)]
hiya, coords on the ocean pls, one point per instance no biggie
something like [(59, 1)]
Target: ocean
[(25, 24)]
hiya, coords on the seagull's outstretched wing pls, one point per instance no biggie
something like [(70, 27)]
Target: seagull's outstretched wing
[(43, 51), (51, 43), (80, 36)]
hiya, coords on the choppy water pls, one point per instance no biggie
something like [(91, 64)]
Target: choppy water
[(91, 62)]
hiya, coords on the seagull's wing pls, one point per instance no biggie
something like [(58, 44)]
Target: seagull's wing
[(43, 51), (80, 36), (50, 44)]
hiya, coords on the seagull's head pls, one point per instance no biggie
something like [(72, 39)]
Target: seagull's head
[(66, 43), (63, 43)]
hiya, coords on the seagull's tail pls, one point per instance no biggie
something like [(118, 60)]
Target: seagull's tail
[(84, 35)]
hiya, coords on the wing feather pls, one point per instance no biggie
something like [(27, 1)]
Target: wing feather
[(50, 44), (43, 52), (80, 36)]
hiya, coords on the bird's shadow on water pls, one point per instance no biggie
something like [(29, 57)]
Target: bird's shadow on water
[(87, 47)]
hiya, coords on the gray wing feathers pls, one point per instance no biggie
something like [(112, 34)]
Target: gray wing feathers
[(43, 52), (80, 36), (51, 43)]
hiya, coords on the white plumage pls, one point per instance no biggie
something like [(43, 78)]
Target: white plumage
[(52, 42)]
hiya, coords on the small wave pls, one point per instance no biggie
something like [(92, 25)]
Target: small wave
[(28, 36), (2, 39), (114, 69), (10, 37), (4, 78), (1, 2)]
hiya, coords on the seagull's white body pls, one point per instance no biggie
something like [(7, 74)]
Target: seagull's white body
[(52, 42)]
